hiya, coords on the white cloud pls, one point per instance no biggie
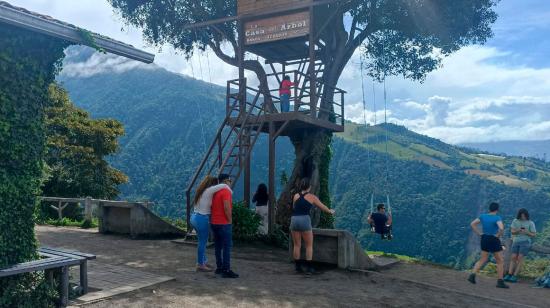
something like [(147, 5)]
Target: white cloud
[(100, 63), (480, 95)]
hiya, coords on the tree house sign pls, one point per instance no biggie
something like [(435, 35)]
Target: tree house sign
[(277, 28)]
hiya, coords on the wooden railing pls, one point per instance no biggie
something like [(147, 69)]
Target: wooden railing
[(87, 203), (301, 97)]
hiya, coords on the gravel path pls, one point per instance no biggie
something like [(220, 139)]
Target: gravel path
[(267, 279)]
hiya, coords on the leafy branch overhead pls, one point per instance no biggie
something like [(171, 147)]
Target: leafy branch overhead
[(405, 37)]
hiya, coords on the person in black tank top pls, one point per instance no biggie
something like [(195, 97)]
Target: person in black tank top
[(300, 224)]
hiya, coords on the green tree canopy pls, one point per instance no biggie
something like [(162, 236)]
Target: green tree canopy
[(76, 150), (399, 37)]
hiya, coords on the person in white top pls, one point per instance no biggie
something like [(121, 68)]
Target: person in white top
[(200, 219)]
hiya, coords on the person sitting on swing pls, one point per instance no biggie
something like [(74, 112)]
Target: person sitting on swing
[(381, 221)]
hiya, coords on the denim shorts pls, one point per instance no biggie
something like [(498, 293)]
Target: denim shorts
[(521, 248), (300, 223)]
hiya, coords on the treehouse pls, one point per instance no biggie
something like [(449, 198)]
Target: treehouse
[(285, 33)]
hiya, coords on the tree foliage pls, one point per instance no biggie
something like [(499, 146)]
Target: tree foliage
[(77, 147), (28, 64)]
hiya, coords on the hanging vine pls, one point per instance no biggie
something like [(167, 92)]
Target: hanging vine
[(28, 64)]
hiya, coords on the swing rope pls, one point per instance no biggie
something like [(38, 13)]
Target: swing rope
[(386, 184), (203, 135)]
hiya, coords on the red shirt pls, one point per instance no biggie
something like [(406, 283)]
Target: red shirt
[(217, 213), (285, 87)]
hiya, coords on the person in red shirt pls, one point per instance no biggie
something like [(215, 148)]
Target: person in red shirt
[(284, 93), (221, 222)]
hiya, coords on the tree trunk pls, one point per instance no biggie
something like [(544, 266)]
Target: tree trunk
[(309, 148)]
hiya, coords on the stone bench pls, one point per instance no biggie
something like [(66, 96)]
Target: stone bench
[(134, 219), (338, 247)]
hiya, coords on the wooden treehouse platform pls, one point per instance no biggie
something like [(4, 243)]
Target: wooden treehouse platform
[(287, 123)]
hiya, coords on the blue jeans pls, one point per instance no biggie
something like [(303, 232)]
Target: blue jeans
[(201, 223), (285, 103), (223, 242)]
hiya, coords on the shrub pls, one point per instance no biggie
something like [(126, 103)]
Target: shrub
[(27, 290), (178, 222), (245, 223), (279, 238)]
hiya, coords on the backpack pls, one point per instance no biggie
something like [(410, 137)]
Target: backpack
[(544, 280)]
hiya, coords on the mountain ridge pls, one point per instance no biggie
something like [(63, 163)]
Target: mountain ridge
[(170, 118)]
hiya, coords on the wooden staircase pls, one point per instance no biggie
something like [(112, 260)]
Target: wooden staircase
[(235, 138)]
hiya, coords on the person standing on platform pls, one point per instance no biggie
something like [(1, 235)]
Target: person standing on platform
[(284, 93), (222, 207), (300, 224), (261, 198)]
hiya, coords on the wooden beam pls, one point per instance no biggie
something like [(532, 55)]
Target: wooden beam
[(55, 28), (271, 180), (222, 20)]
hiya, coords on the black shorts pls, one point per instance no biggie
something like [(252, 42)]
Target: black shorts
[(490, 243)]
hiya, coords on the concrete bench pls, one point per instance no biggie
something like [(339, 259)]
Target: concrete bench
[(338, 247), (135, 219)]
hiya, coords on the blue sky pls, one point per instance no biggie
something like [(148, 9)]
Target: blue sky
[(498, 91)]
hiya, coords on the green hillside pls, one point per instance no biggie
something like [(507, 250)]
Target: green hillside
[(529, 173), (435, 188)]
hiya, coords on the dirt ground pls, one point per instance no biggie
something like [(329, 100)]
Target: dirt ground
[(267, 279)]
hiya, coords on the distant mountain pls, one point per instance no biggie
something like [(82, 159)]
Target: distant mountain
[(435, 188), (538, 149)]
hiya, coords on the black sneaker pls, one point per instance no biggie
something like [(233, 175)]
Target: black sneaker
[(501, 284), (472, 278), (309, 269), (298, 267), (218, 271), (230, 274)]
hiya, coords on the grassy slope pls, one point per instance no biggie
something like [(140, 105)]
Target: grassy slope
[(529, 173)]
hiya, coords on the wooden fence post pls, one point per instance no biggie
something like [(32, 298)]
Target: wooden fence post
[(88, 209)]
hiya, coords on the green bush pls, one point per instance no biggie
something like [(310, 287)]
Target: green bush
[(28, 290), (245, 223), (278, 238), (178, 222), (87, 224), (44, 212)]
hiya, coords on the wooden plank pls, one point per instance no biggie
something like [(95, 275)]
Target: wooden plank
[(260, 6), (39, 265), (70, 252), (277, 28)]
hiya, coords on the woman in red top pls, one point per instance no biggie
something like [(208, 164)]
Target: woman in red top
[(284, 93)]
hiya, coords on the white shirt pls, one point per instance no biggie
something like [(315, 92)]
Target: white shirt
[(205, 201)]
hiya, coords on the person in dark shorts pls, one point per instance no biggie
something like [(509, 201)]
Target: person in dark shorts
[(523, 231), (300, 224), (493, 228), (381, 222)]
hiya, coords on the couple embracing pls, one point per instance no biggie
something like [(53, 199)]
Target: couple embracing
[(213, 207)]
